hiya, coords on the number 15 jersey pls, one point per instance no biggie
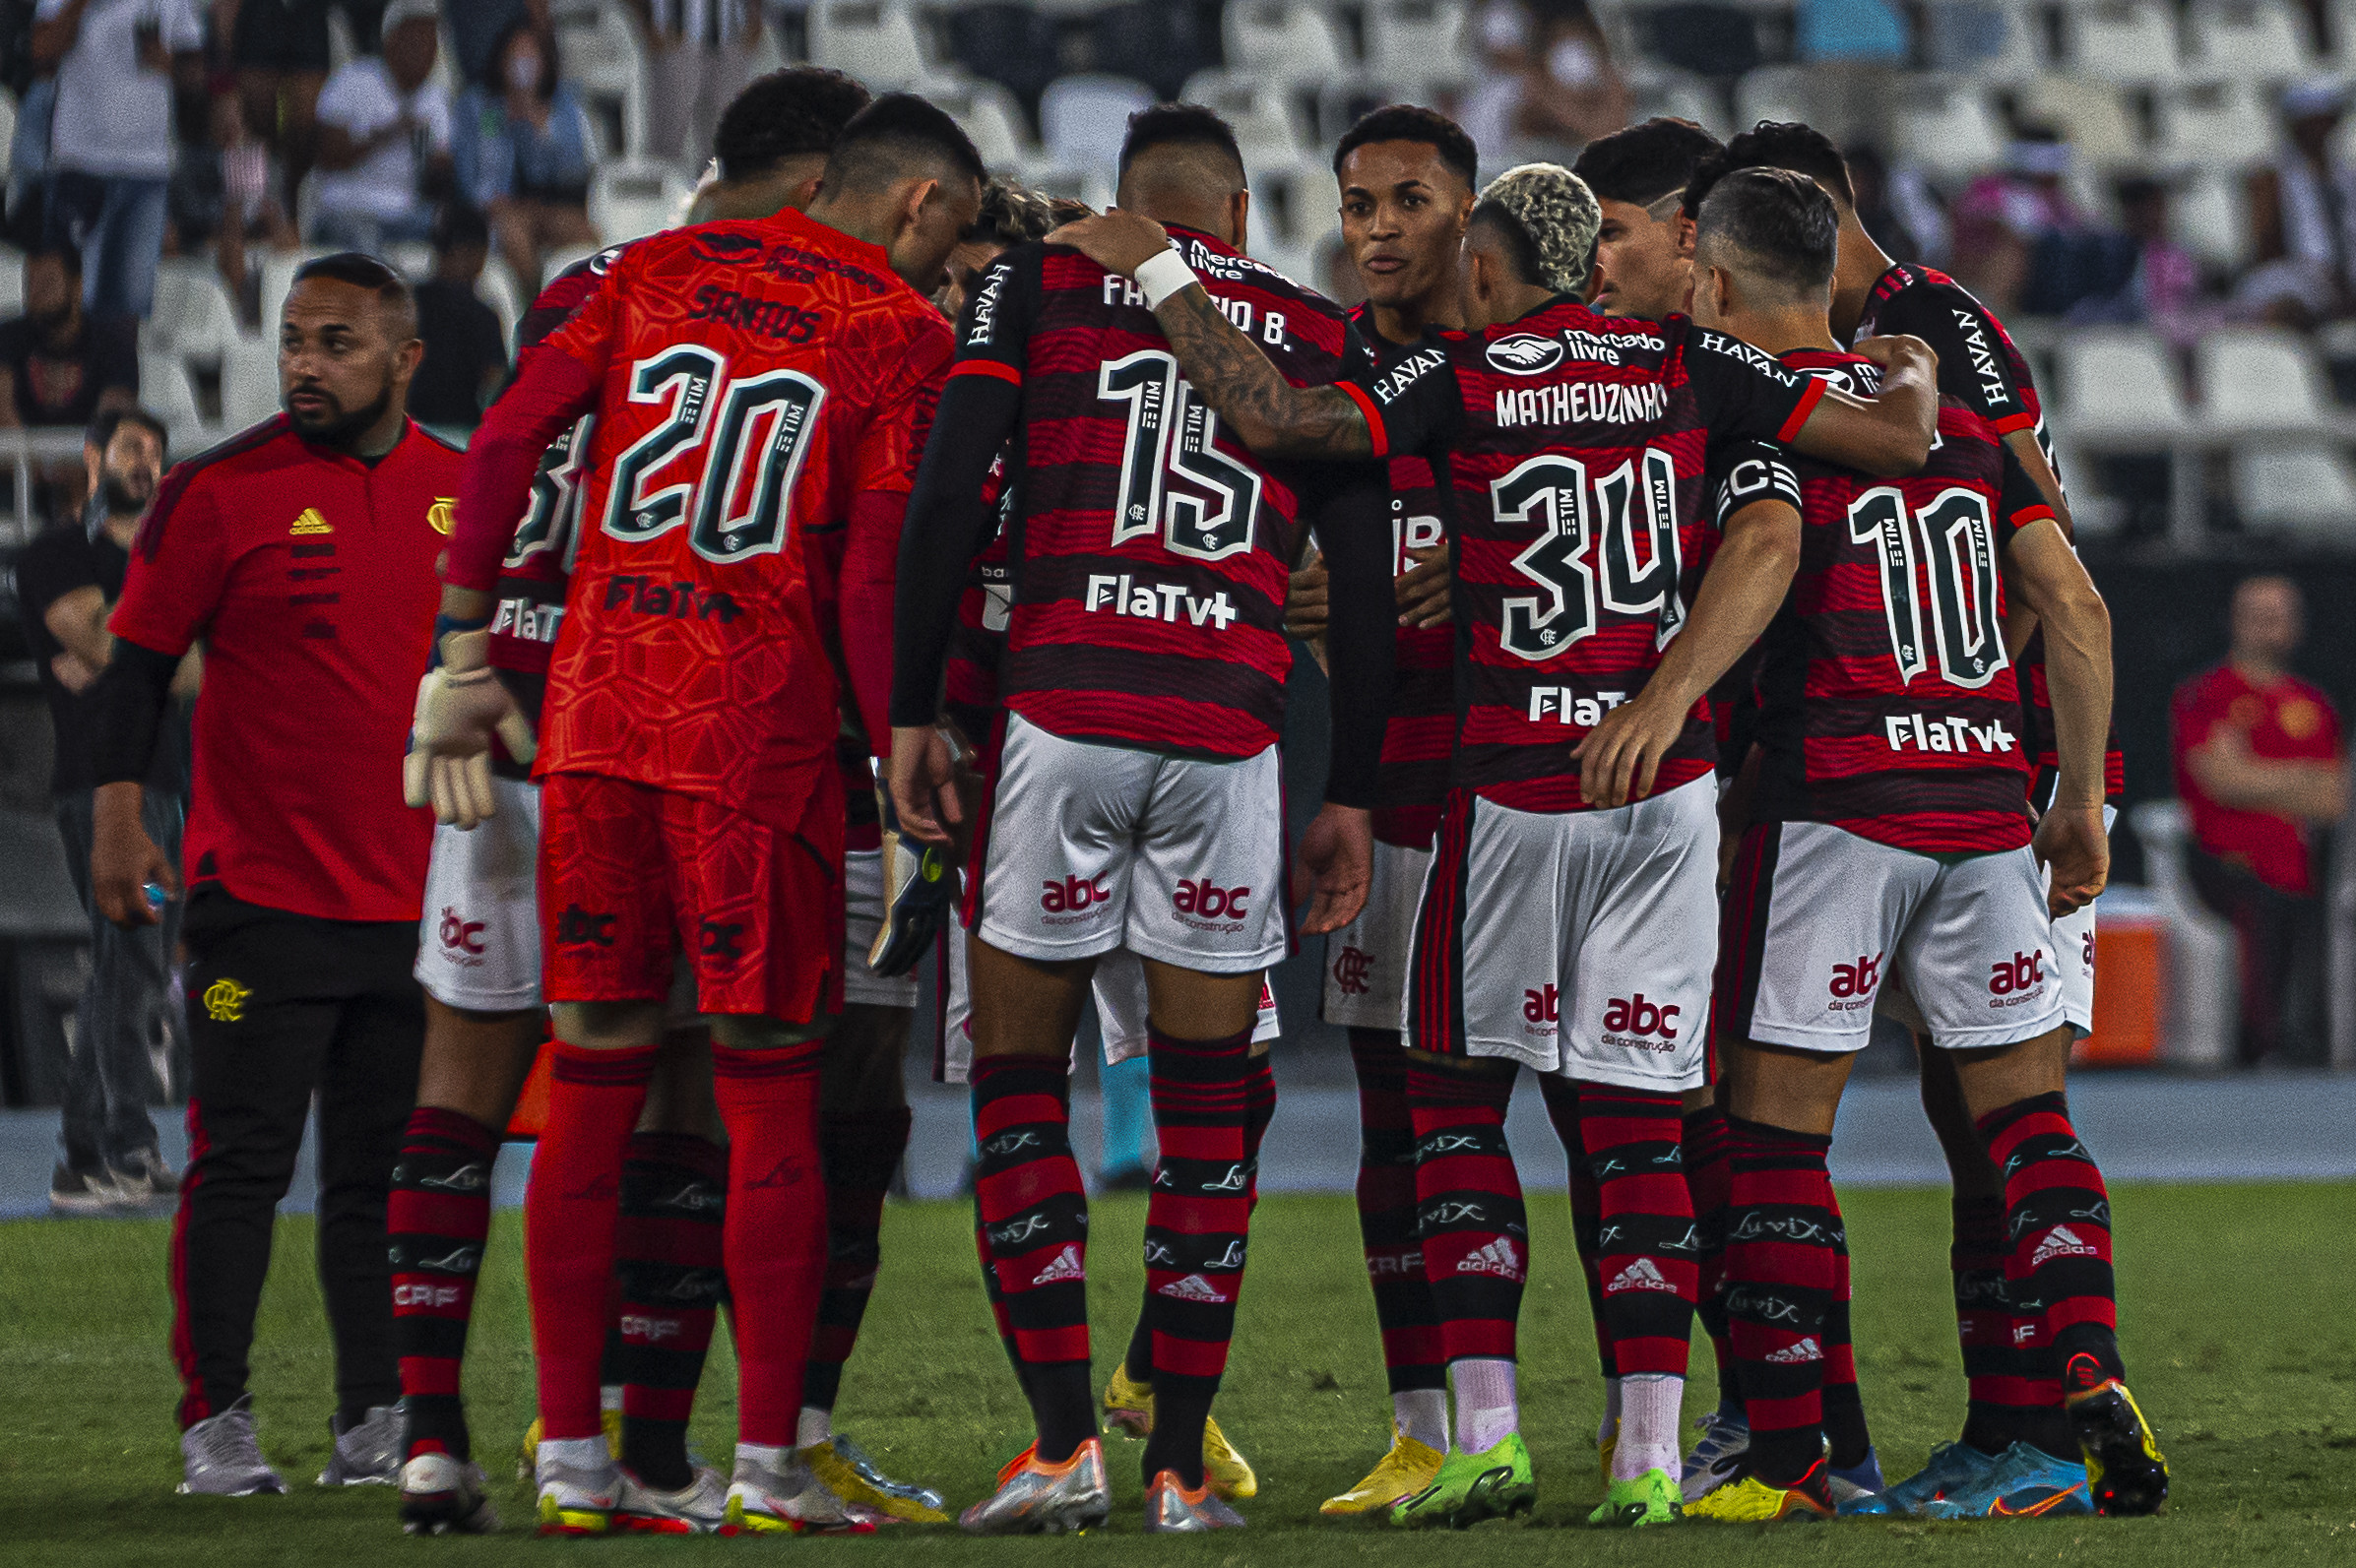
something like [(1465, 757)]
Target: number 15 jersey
[(752, 377)]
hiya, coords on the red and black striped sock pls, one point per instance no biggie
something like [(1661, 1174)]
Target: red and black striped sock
[(1033, 1225), (1260, 1110), (1561, 1097), (1412, 1353), (2059, 1214), (572, 1209), (1781, 1272), (1197, 1228), (1470, 1218), (775, 1234), (669, 1258), (435, 1222), (1845, 1431), (2000, 1367), (1707, 1175), (862, 1149), (1646, 1247)]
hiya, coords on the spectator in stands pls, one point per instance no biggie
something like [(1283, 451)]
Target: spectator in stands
[(699, 57), (477, 28), (2022, 245), (1547, 86), (67, 581), (383, 138), (2303, 214), (466, 354), (231, 189), (523, 154), (59, 364), (2261, 770), (2164, 290), (111, 140), (277, 53)]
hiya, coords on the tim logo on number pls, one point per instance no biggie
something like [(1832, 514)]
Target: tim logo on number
[(1854, 985), (1072, 899), (1206, 906), (460, 938), (1632, 1023), (2016, 979)]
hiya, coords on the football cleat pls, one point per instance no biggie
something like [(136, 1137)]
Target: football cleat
[(368, 1454), (852, 1476), (2026, 1482), (1605, 1449), (1171, 1510), (1747, 1500), (1715, 1458), (1652, 1498), (1857, 1489), (1129, 1406), (698, 1508), (445, 1497), (769, 1497), (1405, 1470), (575, 1499), (1035, 1498), (1496, 1483), (2125, 1473), (1953, 1468), (220, 1456), (609, 1421)]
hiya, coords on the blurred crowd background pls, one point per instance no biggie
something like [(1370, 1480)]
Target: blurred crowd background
[(2158, 197)]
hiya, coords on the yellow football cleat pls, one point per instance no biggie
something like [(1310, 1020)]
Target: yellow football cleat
[(852, 1476), (608, 1421), (1752, 1501), (1405, 1470), (2125, 1473), (1605, 1448), (1128, 1407)]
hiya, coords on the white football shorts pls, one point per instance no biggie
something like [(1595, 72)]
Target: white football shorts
[(1366, 961), (478, 942)]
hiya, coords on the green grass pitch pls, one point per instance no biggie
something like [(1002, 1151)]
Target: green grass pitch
[(2237, 1328)]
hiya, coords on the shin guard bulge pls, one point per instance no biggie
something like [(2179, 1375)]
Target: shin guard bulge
[(1033, 1216), (775, 1234), (1470, 1220), (436, 1220), (1645, 1248), (1780, 1275), (862, 1149), (671, 1267), (2059, 1214), (1412, 1356)]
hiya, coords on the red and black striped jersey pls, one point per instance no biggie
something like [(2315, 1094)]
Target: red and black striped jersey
[(1420, 732), (969, 695), (1887, 707), (1150, 550), (1574, 448)]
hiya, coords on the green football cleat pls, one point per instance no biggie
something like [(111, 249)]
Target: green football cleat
[(1493, 1485), (1652, 1498)]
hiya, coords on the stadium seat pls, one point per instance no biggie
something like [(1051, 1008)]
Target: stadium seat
[(992, 116), (1687, 97), (2116, 385), (554, 262), (1284, 40), (1997, 42), (1159, 45), (877, 41), (193, 317), (2129, 41), (1082, 120), (249, 381), (2199, 1017), (413, 258), (1417, 46), (8, 128), (2091, 117), (2209, 217), (2212, 126), (498, 290), (1781, 92), (12, 281), (1292, 204), (1259, 112), (277, 275), (602, 57), (165, 391), (1944, 126), (2248, 41), (635, 197), (2261, 379), (1010, 44), (2307, 489)]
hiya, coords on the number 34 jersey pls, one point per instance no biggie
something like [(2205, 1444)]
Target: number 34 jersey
[(1151, 550), (1887, 707), (755, 377)]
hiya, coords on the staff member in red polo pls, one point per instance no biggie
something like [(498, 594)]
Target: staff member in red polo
[(2259, 768), (302, 553)]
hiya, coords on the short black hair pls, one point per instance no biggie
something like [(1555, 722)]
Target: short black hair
[(457, 223), (795, 112), (1011, 214), (1776, 143), (1781, 220), (1644, 162), (1177, 125), (363, 271), (63, 253), (882, 141), (100, 435), (1409, 122)]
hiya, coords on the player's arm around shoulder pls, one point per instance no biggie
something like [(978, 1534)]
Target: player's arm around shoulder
[(2070, 837), (1889, 435)]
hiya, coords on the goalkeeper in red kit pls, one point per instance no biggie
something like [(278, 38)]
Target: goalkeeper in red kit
[(752, 382)]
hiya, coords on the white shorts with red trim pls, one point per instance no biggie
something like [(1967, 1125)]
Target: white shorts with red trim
[(1366, 961), (478, 942)]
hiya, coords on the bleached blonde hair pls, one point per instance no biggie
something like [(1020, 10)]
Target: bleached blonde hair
[(1559, 213)]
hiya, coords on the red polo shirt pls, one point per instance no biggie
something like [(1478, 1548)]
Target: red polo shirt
[(309, 575), (2287, 722)]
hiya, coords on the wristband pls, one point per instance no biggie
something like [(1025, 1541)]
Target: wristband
[(1162, 275)]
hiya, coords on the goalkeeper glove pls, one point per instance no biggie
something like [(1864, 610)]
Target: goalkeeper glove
[(918, 890), (460, 706)]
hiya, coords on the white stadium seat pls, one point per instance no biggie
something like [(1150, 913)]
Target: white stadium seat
[(1780, 92), (2261, 379), (2091, 117), (2308, 490), (193, 317), (249, 381), (605, 62), (12, 282), (635, 198), (2209, 218), (990, 115), (1945, 127), (1417, 46), (2248, 41), (1083, 120), (2129, 41), (2116, 384), (1284, 40), (165, 392), (877, 41), (498, 290), (1257, 110), (2212, 127)]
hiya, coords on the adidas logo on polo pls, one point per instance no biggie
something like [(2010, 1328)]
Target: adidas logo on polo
[(1808, 1350), (1194, 1287), (1640, 1275), (310, 523), (1498, 1258), (1064, 1265), (2062, 1242)]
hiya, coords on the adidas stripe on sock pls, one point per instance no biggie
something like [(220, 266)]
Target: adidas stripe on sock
[(1780, 1274), (436, 1220), (1032, 1215)]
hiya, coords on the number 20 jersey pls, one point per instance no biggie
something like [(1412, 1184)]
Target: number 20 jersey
[(1887, 707), (1574, 450), (1151, 550), (755, 377)]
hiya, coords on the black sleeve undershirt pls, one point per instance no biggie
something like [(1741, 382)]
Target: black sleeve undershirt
[(127, 711), (947, 526), (1362, 629)]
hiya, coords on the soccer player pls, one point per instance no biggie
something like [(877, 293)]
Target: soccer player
[(2011, 1401), (479, 960), (1889, 832), (1137, 800), (1564, 435), (1407, 178), (1644, 252), (748, 379)]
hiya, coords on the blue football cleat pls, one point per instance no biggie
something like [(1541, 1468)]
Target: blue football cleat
[(2026, 1482), (1953, 1468), (1857, 1486)]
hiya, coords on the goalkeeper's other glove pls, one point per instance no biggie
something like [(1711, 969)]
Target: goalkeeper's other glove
[(460, 706), (919, 889)]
